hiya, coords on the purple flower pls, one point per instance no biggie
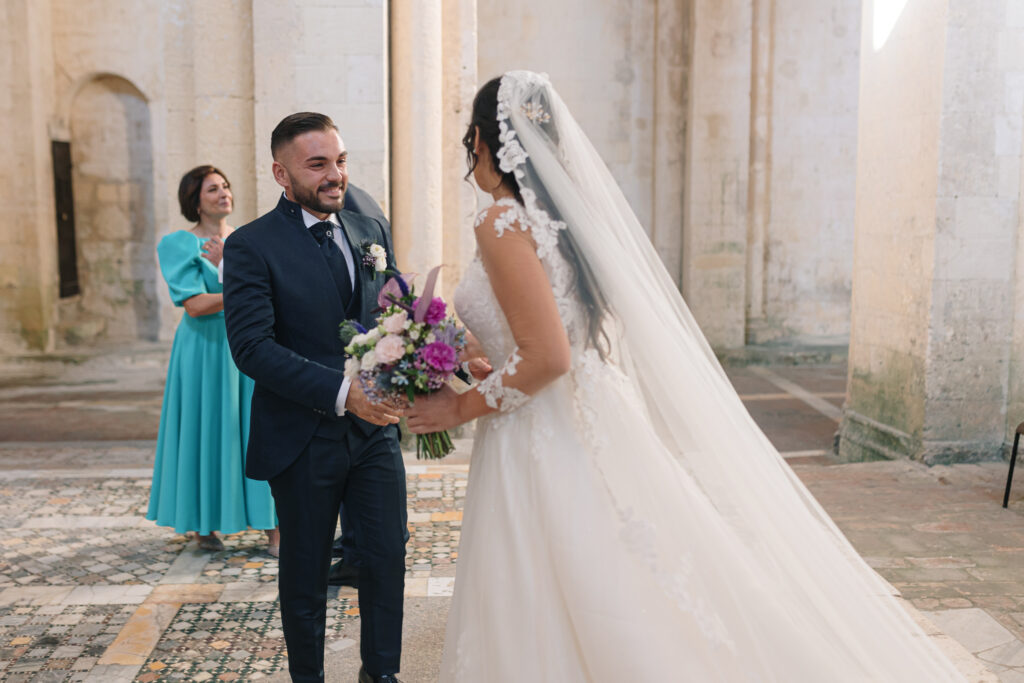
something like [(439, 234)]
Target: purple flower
[(438, 355), (435, 311)]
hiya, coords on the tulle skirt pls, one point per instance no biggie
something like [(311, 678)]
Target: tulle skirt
[(590, 553)]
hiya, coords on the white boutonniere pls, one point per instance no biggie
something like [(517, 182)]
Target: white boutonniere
[(375, 257)]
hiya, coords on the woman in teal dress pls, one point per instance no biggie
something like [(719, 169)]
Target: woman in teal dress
[(199, 481)]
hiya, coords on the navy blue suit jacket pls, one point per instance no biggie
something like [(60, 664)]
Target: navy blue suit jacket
[(282, 310)]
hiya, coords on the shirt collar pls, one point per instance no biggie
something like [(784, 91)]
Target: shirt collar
[(310, 220)]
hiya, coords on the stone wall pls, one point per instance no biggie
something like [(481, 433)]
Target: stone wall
[(115, 232), (331, 57), (770, 169), (808, 245), (143, 93), (938, 219)]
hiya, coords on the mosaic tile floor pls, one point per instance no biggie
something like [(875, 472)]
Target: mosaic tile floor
[(90, 591), (232, 642), (56, 642)]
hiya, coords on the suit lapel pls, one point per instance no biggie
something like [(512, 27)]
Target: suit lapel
[(355, 237)]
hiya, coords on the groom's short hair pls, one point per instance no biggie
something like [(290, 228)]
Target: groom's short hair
[(294, 125)]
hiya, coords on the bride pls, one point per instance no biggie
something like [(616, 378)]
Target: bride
[(625, 519)]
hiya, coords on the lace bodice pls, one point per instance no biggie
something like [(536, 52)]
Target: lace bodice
[(479, 310)]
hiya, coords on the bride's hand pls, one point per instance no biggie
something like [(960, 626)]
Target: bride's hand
[(479, 367), (434, 412), (473, 349)]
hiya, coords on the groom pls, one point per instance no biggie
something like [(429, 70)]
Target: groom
[(292, 276)]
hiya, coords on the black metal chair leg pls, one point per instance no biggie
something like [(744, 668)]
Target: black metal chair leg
[(1013, 461)]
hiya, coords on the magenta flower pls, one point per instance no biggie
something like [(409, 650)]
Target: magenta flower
[(439, 356), (436, 311)]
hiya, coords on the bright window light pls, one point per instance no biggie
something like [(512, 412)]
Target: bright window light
[(885, 14)]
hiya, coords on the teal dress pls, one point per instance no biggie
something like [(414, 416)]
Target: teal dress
[(199, 481)]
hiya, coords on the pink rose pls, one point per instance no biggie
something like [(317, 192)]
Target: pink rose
[(395, 323), (438, 355), (390, 349)]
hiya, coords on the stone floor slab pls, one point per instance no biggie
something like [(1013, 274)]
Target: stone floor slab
[(187, 566), (34, 595), (83, 522), (176, 594), (108, 595), (139, 635), (249, 591), (974, 628)]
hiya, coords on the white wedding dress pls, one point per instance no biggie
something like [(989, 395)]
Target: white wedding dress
[(610, 534)]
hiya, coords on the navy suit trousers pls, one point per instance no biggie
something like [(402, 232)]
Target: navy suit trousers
[(365, 472)]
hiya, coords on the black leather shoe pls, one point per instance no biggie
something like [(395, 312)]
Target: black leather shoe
[(386, 678), (342, 574)]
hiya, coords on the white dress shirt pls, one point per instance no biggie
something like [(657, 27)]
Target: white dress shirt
[(339, 239)]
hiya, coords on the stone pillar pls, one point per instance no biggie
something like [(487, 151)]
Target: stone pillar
[(28, 268), (759, 187), (937, 220), (459, 205), (671, 37), (718, 160), (417, 143)]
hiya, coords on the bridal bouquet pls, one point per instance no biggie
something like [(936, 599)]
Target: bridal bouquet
[(413, 350)]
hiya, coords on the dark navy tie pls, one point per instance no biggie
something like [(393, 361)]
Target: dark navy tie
[(322, 233)]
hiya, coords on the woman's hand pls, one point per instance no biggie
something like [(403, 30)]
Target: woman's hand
[(479, 368), (473, 349), (213, 250), (434, 412)]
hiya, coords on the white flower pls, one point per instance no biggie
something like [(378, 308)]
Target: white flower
[(430, 338), (373, 335), (375, 256), (352, 368), (414, 332), (360, 339), (369, 360)]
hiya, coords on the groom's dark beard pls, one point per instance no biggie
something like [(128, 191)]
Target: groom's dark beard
[(311, 199)]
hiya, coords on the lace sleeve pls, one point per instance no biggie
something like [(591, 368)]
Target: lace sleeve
[(510, 252), (496, 394)]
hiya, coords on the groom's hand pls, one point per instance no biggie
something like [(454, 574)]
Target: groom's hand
[(383, 413)]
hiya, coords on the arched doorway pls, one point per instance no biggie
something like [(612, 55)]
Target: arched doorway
[(112, 181)]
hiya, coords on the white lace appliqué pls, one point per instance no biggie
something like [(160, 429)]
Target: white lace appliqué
[(496, 394)]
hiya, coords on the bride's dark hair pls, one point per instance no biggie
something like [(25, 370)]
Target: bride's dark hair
[(485, 119)]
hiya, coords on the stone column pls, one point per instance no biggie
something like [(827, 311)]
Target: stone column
[(671, 36), (759, 188), (459, 41), (718, 160), (937, 220), (28, 267), (417, 131)]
